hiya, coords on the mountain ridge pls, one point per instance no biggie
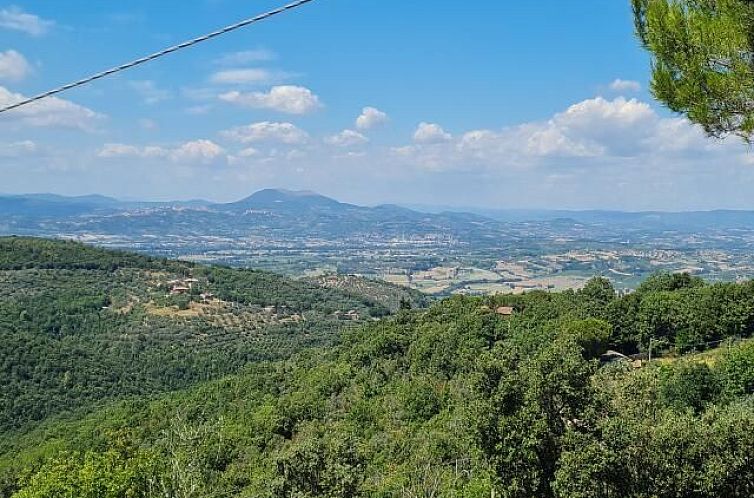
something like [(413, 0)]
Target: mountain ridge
[(310, 197), (306, 212)]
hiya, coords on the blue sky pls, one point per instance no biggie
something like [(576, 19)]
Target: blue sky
[(495, 104)]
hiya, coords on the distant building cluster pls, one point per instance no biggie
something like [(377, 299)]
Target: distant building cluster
[(182, 286)]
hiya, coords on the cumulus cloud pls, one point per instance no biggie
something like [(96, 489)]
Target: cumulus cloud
[(594, 132), (347, 138), (677, 135), (592, 128), (287, 99), (552, 141), (51, 112), (370, 118), (431, 133), (619, 112), (620, 85), (204, 151), (197, 151), (596, 126), (13, 66), (267, 131), (14, 18), (598, 153)]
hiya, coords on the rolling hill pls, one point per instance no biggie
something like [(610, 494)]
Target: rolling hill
[(457, 400), (79, 325)]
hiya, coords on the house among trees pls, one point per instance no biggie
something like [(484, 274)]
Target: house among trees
[(352, 315), (505, 311), (616, 357), (182, 286)]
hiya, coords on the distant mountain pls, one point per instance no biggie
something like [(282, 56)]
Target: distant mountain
[(308, 202), (59, 206), (659, 220), (285, 215), (688, 220), (288, 200), (94, 199), (49, 205), (282, 215)]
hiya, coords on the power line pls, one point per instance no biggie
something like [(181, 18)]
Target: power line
[(157, 55)]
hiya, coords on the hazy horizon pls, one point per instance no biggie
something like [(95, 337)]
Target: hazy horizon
[(429, 208), (497, 120)]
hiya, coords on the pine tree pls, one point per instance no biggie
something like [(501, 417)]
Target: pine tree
[(703, 60)]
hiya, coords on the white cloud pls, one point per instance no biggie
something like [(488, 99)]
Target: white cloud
[(370, 118), (18, 149), (552, 141), (620, 85), (51, 112), (267, 131), (197, 151), (592, 133), (112, 150), (117, 150), (245, 156), (14, 18), (617, 112), (677, 137), (13, 66), (598, 126), (248, 152), (204, 151), (287, 99), (428, 158), (242, 76), (615, 153), (246, 57), (483, 146), (431, 133), (592, 128), (150, 92), (347, 138)]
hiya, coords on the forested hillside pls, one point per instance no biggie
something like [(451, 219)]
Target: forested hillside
[(80, 325), (458, 400)]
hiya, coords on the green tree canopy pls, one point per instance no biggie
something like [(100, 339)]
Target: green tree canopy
[(703, 60)]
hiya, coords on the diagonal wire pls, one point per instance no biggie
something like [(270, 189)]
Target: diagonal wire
[(157, 55)]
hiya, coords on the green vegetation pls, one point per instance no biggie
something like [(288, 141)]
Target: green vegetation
[(457, 400), (703, 52), (80, 325), (391, 296)]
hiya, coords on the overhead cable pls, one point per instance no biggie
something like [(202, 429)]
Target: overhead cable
[(157, 55)]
